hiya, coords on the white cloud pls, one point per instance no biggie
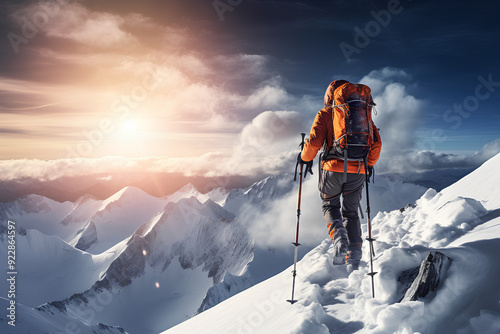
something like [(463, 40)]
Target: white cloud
[(270, 133), (416, 161), (268, 96), (275, 227), (218, 93), (377, 80), (48, 170), (427, 160), (488, 151), (399, 117), (399, 114), (75, 22)]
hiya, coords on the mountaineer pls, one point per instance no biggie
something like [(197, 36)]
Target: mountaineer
[(351, 146)]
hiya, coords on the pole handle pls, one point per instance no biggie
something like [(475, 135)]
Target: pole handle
[(302, 142), (301, 145)]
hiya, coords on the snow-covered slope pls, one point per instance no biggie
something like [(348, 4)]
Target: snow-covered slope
[(186, 191), (217, 195), (49, 268), (41, 321), (482, 184), (40, 213), (151, 256), (462, 221), (91, 224), (260, 195), (117, 218), (166, 267)]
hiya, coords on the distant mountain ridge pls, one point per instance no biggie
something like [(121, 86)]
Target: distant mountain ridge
[(103, 186), (138, 242)]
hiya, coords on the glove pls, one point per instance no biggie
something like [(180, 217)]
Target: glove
[(309, 164), (369, 173)]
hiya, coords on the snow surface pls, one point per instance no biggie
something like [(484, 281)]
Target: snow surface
[(51, 269), (163, 275), (120, 215), (462, 221), (40, 213), (160, 260), (152, 280), (482, 184), (38, 321), (217, 195), (111, 220)]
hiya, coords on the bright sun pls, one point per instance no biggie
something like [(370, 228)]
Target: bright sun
[(129, 125)]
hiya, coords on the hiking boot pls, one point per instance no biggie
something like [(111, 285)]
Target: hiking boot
[(353, 257), (340, 247)]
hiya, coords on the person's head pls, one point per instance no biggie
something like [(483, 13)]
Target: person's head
[(331, 88)]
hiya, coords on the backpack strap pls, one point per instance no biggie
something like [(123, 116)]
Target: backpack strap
[(345, 166)]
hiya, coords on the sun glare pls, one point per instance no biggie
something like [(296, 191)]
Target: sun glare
[(129, 125)]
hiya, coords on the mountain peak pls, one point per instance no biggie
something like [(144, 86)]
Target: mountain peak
[(187, 191), (127, 194), (129, 191), (85, 198)]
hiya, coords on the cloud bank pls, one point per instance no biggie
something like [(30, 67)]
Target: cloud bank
[(268, 143)]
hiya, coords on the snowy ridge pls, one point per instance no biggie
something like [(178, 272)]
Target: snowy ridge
[(259, 194), (40, 321), (446, 218), (51, 268), (82, 210), (99, 224), (187, 242), (217, 195), (482, 184), (117, 218), (190, 243), (230, 286), (462, 222), (41, 213), (186, 191)]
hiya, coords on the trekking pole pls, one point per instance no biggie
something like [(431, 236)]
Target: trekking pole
[(296, 243), (370, 239)]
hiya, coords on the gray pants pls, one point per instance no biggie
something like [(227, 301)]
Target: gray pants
[(332, 186)]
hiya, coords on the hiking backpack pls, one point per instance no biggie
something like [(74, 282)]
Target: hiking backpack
[(352, 123)]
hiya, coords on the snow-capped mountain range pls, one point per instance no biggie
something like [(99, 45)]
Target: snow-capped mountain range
[(132, 252), (140, 264)]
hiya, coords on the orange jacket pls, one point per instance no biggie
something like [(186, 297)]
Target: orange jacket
[(321, 130)]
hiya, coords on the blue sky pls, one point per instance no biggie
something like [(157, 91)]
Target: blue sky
[(193, 84)]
